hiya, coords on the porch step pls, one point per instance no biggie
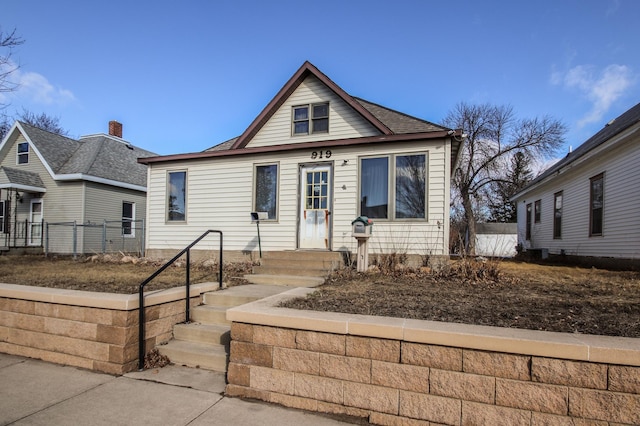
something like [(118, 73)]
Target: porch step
[(239, 295), (285, 280), (203, 333), (210, 314), (292, 269), (193, 354)]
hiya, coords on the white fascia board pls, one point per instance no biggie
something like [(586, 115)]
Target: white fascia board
[(606, 145), (82, 176), (26, 188)]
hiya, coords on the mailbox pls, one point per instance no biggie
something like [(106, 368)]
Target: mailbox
[(361, 227)]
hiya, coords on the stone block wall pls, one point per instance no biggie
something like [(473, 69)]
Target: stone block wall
[(82, 329), (397, 382)]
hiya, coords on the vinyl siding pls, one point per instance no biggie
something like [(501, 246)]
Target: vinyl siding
[(621, 226), (220, 196), (344, 121)]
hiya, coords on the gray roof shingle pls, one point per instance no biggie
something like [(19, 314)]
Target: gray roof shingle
[(398, 122), (21, 177), (100, 156)]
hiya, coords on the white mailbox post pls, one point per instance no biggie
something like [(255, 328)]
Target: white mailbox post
[(361, 231)]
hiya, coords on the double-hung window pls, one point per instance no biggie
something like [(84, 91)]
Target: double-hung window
[(557, 215), (265, 197), (177, 196), (596, 207), (537, 211), (23, 153), (128, 216), (3, 217), (312, 118), (528, 230), (405, 175)]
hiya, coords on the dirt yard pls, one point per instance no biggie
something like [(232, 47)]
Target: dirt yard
[(505, 294)]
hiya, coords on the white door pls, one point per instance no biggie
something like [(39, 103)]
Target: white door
[(315, 206), (35, 222)]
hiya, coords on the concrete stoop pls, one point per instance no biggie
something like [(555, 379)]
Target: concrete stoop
[(204, 342), (295, 268)]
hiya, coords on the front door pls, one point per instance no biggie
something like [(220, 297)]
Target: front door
[(35, 222), (315, 206)]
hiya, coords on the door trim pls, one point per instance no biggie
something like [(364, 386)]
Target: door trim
[(301, 184)]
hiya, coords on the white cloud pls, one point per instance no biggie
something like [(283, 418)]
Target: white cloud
[(36, 88), (601, 89)]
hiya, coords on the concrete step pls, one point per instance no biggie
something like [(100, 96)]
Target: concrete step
[(202, 333), (284, 280), (210, 314), (208, 357), (239, 295), (290, 255), (290, 270), (326, 265)]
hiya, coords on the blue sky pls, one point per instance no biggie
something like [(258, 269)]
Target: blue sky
[(184, 76)]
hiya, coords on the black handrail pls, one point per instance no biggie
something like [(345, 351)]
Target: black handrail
[(187, 250)]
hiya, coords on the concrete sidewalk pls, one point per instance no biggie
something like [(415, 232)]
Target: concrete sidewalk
[(34, 392)]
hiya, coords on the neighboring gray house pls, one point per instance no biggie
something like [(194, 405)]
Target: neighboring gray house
[(48, 178), (587, 204)]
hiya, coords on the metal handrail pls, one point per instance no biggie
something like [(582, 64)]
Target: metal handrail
[(187, 250)]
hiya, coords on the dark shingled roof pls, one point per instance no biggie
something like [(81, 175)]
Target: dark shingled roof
[(100, 156), (398, 122), (21, 177), (612, 128)]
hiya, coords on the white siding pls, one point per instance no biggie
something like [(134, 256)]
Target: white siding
[(344, 121), (621, 229), (219, 196)]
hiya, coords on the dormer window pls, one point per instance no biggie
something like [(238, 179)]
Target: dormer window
[(23, 153), (313, 118)]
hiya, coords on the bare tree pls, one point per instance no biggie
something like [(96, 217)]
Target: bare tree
[(8, 41), (43, 121), (494, 134)]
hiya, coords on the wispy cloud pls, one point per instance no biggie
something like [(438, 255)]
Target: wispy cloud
[(35, 88), (602, 88)]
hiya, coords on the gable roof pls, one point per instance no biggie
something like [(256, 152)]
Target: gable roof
[(610, 130), (100, 158), (392, 125)]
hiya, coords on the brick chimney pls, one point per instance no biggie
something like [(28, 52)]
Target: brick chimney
[(115, 129)]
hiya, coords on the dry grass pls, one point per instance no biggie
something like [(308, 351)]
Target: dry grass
[(504, 294), (110, 274)]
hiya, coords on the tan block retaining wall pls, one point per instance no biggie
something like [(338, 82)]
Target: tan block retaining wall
[(96, 331), (406, 372)]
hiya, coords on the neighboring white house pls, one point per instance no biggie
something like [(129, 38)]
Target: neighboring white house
[(587, 204), (496, 239), (314, 160), (48, 179)]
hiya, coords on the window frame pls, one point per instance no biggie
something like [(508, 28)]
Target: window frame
[(130, 220), (537, 211), (3, 217), (311, 119), (22, 154), (592, 214), (529, 213), (277, 190), (557, 215), (168, 219), (392, 175)]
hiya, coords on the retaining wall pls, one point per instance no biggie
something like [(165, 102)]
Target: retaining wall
[(96, 331), (406, 372)]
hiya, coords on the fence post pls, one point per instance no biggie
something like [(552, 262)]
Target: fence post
[(143, 236), (104, 236), (46, 240), (75, 239)]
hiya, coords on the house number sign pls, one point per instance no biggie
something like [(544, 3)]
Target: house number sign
[(320, 154)]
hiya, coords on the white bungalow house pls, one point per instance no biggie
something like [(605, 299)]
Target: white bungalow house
[(314, 160), (54, 183), (587, 204)]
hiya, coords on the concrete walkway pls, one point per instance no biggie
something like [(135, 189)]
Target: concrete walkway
[(34, 392)]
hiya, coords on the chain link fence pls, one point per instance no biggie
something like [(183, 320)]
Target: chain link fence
[(110, 236)]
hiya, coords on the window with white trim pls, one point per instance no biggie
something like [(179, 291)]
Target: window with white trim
[(23, 153), (177, 196), (4, 219), (266, 190), (309, 119), (596, 207), (394, 186), (128, 216)]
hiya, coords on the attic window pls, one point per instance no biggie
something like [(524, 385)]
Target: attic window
[(312, 118), (23, 153)]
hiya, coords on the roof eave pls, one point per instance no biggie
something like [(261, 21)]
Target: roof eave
[(295, 147), (303, 72)]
